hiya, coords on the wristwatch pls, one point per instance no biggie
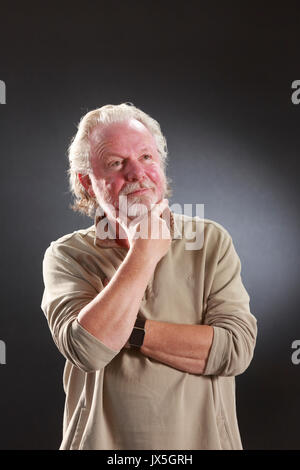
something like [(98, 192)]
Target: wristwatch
[(137, 336)]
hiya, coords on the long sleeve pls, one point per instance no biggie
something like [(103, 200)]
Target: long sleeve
[(228, 312), (68, 288)]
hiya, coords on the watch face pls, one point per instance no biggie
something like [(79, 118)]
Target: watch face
[(137, 337)]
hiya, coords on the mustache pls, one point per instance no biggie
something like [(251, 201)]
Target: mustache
[(131, 187)]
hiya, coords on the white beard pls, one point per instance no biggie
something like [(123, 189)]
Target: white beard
[(136, 206), (129, 205)]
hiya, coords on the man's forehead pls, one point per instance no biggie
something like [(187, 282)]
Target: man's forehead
[(115, 130)]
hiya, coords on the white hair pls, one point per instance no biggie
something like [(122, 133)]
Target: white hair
[(79, 149)]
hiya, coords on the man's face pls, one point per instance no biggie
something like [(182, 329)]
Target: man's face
[(124, 160)]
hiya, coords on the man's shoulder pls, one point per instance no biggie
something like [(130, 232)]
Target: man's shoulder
[(209, 227), (76, 235), (78, 239)]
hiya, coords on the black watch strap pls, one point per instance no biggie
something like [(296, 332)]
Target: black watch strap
[(137, 336)]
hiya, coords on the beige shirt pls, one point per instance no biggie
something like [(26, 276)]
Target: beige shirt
[(123, 399)]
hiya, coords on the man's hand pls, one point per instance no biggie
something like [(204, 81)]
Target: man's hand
[(149, 233)]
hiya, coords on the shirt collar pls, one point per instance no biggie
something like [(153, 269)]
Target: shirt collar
[(110, 241)]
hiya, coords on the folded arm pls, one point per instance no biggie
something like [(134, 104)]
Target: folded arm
[(224, 344), (184, 347)]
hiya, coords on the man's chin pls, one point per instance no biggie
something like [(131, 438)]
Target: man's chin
[(131, 207), (137, 207)]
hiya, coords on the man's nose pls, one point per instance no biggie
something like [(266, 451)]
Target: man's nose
[(134, 171)]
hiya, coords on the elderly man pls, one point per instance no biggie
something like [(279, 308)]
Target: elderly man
[(153, 333)]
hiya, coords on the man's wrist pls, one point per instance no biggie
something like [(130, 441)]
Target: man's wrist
[(144, 258), (136, 338)]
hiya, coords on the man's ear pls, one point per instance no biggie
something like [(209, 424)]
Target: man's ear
[(86, 183)]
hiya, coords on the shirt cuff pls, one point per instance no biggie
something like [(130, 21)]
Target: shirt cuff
[(91, 352), (217, 356)]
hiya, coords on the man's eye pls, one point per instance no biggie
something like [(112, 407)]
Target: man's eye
[(116, 163), (147, 157)]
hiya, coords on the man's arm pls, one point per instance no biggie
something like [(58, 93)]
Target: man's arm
[(233, 335), (111, 315), (184, 347)]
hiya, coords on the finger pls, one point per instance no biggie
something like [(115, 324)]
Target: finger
[(138, 219), (122, 220), (159, 208)]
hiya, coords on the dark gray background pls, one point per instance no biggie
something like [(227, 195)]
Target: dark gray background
[(218, 79)]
